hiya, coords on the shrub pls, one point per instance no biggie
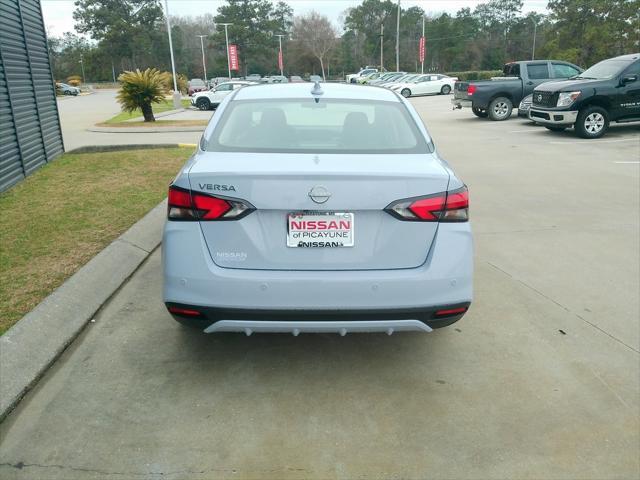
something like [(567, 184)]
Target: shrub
[(167, 79), (140, 90), (476, 74), (74, 80)]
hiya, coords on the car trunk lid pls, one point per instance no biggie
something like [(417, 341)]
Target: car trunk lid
[(278, 185)]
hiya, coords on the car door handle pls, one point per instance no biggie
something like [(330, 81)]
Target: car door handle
[(529, 83)]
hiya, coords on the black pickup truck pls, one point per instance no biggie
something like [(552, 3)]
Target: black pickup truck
[(495, 98), (608, 91)]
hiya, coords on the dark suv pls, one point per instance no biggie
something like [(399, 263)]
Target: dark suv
[(608, 91)]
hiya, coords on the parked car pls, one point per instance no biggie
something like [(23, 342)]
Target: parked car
[(279, 79), (196, 85), (401, 79), (608, 91), (365, 79), (296, 79), (253, 77), (496, 98), (68, 89), (217, 81), (276, 224), (427, 84), (524, 106), (315, 78), (211, 98), (353, 78), (386, 77)]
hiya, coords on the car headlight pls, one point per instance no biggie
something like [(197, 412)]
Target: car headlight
[(567, 98)]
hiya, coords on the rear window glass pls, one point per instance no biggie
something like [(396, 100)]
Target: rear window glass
[(329, 126), (538, 70)]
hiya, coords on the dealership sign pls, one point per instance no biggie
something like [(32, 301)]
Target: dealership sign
[(422, 49), (280, 60), (233, 57)]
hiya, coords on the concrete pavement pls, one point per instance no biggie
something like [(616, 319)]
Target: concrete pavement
[(77, 114), (539, 380)]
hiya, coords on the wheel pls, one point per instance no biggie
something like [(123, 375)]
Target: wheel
[(479, 112), (445, 90), (592, 122), (406, 93), (67, 92), (500, 109), (203, 104), (555, 129)]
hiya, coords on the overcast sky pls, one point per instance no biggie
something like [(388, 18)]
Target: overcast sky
[(58, 14)]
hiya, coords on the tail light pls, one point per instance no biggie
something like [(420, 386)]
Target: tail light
[(451, 311), (185, 312), (471, 89), (187, 205), (452, 206)]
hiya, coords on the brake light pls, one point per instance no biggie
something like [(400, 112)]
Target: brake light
[(187, 205), (471, 89), (451, 311), (184, 312), (452, 206)]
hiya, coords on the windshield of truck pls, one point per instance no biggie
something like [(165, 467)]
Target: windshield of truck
[(604, 70)]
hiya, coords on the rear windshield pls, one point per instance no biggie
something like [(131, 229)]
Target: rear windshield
[(304, 126)]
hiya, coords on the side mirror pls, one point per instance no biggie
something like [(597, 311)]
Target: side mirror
[(628, 79)]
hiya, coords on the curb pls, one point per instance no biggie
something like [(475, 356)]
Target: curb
[(31, 346), (158, 115), (145, 129)]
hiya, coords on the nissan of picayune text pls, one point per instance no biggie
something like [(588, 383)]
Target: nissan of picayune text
[(317, 208)]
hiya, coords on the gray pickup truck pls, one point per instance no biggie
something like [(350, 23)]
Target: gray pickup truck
[(495, 98)]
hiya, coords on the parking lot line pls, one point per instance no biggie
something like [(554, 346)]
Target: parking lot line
[(582, 142), (636, 163)]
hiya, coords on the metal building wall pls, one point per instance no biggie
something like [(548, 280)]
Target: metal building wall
[(30, 133)]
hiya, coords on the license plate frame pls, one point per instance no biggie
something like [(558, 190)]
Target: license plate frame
[(300, 234)]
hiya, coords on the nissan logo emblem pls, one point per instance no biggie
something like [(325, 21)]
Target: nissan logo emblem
[(319, 194)]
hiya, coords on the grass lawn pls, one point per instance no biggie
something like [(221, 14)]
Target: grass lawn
[(61, 216), (157, 108)]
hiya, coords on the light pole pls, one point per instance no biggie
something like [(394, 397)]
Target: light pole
[(425, 47), (204, 65), (398, 39), (226, 37), (535, 28), (176, 94), (82, 67), (280, 55), (381, 46)]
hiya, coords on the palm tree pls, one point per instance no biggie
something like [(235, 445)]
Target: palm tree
[(140, 90)]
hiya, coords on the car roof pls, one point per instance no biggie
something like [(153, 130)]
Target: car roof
[(303, 90), (629, 57)]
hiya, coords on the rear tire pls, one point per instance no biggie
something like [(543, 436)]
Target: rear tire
[(203, 104), (406, 93), (500, 109), (555, 129), (445, 90), (479, 112), (592, 122)]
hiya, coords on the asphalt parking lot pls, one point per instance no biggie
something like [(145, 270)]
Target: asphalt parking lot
[(539, 380)]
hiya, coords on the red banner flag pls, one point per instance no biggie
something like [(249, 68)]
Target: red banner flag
[(233, 57), (280, 60), (422, 49)]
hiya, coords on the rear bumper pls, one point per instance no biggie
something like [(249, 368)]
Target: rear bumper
[(212, 319), (192, 279), (553, 117), (461, 103)]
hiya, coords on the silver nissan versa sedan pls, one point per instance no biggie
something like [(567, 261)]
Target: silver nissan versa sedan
[(317, 208)]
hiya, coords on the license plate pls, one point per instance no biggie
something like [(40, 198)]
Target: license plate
[(320, 230)]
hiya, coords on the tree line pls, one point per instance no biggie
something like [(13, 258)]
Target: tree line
[(128, 34)]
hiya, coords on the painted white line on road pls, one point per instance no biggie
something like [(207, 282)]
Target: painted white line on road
[(635, 163), (527, 131), (583, 142)]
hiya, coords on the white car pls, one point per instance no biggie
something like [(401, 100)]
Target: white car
[(353, 78), (211, 98), (426, 85)]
